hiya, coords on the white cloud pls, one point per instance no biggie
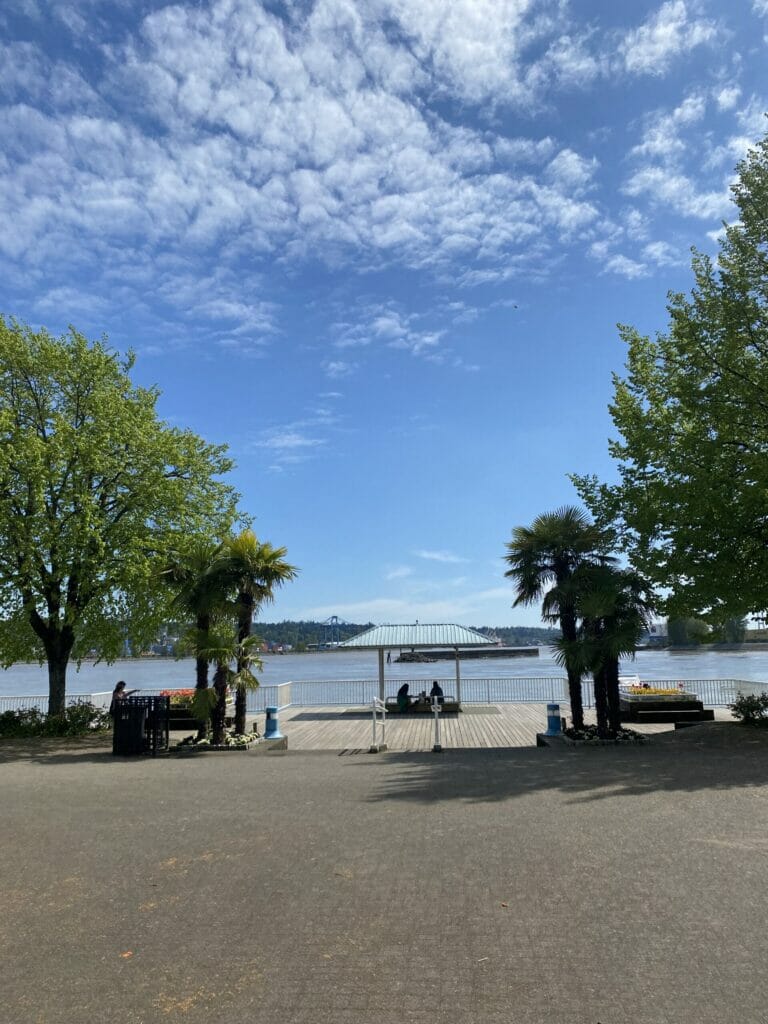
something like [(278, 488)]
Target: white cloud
[(571, 171), (663, 254), (472, 607), (727, 97), (399, 572), (626, 267), (288, 441), (760, 7), (661, 136), (337, 368), (439, 556), (679, 192), (672, 30)]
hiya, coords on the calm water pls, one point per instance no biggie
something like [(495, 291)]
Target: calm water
[(162, 673)]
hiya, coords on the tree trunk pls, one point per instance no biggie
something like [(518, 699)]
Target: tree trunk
[(58, 645), (201, 673), (570, 632), (601, 702), (202, 624), (57, 682), (612, 695), (240, 709), (245, 618), (220, 707), (574, 696)]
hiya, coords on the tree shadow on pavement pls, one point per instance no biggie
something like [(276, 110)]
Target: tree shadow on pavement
[(725, 757)]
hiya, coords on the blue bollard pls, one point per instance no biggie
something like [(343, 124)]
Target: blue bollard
[(272, 727), (553, 720)]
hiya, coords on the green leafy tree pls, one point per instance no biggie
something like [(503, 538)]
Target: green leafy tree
[(691, 505), (542, 559), (687, 632), (94, 488), (254, 569)]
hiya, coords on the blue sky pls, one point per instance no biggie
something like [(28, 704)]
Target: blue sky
[(378, 247)]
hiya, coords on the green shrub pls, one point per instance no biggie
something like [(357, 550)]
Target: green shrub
[(79, 719), (751, 708)]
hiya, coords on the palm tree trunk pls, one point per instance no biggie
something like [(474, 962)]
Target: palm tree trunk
[(245, 618), (601, 702), (612, 695), (570, 633), (203, 624), (220, 707)]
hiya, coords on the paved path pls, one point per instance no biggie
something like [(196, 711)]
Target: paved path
[(476, 887)]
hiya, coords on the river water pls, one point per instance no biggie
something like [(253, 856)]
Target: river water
[(164, 673)]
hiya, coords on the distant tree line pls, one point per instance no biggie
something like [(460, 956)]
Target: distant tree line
[(301, 634)]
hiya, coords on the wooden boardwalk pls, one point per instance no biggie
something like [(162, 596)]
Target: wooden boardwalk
[(478, 725)]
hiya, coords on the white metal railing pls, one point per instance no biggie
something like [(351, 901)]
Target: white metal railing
[(362, 692), (351, 692), (379, 720), (14, 702)]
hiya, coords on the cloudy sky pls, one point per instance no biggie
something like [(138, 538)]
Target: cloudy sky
[(378, 247)]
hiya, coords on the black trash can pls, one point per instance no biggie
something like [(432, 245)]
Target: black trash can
[(140, 726)]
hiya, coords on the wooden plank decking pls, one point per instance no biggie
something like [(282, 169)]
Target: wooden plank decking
[(479, 725)]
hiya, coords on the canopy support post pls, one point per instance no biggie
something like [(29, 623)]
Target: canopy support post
[(458, 679)]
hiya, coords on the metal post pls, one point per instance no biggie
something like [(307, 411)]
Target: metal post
[(375, 747), (272, 726), (381, 674), (437, 748), (553, 720), (458, 679)]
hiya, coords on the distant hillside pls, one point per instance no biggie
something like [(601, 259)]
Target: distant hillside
[(520, 636), (301, 634)]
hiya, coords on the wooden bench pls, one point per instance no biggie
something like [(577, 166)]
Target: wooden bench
[(449, 705)]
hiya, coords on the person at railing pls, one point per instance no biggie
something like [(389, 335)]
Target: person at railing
[(403, 700), (437, 691), (119, 693)]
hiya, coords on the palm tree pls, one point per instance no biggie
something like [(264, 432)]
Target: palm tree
[(614, 612), (223, 648), (253, 569), (193, 574), (542, 559)]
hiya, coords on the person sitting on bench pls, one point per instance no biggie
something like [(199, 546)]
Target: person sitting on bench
[(403, 700), (437, 691)]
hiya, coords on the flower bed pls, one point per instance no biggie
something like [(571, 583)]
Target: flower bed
[(587, 736), (232, 741), (655, 693)]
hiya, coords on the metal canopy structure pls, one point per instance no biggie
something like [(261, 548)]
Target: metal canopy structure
[(378, 638)]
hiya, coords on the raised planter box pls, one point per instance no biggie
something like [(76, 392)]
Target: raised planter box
[(180, 719)]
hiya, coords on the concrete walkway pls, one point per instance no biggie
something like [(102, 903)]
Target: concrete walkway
[(474, 887)]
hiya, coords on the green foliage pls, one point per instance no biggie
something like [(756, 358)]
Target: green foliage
[(735, 630), (690, 507), (94, 490), (543, 560), (202, 704), (751, 708), (79, 719), (687, 631)]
